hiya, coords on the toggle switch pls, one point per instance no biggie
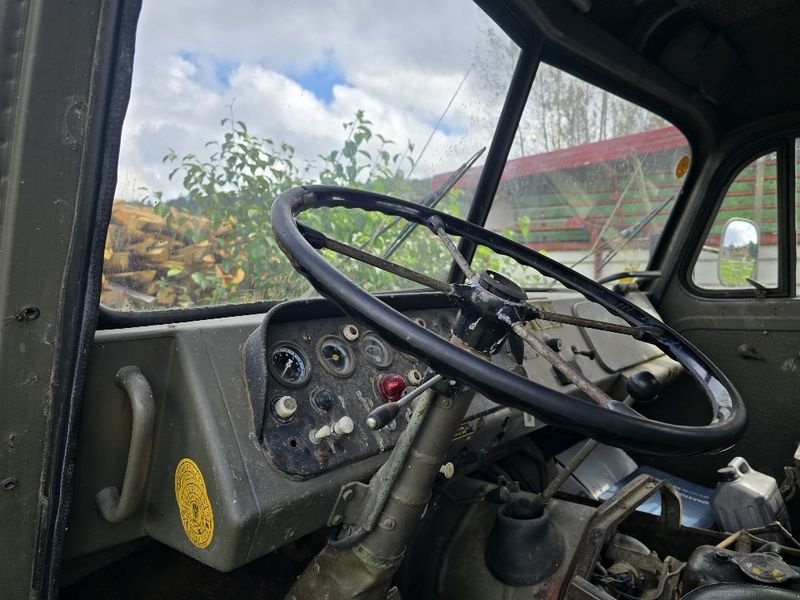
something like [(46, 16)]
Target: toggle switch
[(343, 426), (317, 435)]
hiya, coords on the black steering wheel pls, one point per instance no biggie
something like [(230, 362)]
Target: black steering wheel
[(498, 302)]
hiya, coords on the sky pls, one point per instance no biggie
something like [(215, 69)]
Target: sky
[(295, 71)]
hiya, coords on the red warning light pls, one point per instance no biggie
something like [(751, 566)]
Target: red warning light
[(391, 387)]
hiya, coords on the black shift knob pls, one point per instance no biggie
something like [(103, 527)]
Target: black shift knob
[(643, 386)]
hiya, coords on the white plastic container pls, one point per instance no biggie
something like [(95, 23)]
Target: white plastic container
[(745, 498)]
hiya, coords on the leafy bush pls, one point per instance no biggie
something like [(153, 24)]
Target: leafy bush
[(228, 198)]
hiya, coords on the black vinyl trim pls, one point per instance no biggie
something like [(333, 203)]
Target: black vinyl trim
[(786, 217), (110, 92)]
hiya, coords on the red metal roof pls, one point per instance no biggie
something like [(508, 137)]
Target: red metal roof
[(655, 140)]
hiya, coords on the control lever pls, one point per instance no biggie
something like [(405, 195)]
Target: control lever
[(642, 386), (382, 415)]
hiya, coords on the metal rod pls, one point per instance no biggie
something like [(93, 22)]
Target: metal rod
[(590, 323), (581, 455), (551, 356), (632, 274), (462, 262), (378, 419), (380, 263)]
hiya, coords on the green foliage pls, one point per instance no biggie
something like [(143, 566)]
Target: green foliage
[(226, 209), (225, 213)]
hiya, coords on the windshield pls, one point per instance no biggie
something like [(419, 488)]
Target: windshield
[(591, 180), (244, 101)]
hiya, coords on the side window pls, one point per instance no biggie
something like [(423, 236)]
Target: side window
[(743, 241)]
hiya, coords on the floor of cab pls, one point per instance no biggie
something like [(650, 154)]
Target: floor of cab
[(156, 571)]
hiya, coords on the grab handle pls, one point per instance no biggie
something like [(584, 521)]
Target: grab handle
[(116, 506)]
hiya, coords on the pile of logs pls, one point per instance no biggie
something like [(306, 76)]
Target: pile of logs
[(149, 259)]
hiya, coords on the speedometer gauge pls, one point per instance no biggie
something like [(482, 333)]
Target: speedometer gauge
[(335, 356), (376, 351), (289, 364)]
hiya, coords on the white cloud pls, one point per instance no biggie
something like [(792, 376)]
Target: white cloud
[(399, 62)]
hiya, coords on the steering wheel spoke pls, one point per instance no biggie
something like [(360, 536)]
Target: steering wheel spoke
[(319, 240), (592, 324), (437, 226), (576, 377)]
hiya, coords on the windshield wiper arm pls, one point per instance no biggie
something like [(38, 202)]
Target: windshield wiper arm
[(430, 201), (633, 231), (626, 274)]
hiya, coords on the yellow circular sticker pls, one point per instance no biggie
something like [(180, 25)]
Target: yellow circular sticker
[(193, 503), (682, 167)]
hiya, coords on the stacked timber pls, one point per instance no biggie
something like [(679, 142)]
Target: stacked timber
[(149, 259)]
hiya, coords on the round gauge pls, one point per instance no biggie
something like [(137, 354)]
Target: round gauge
[(335, 356), (289, 364), (376, 351)]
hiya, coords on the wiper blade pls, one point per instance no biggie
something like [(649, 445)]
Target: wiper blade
[(626, 274), (633, 231), (430, 201)]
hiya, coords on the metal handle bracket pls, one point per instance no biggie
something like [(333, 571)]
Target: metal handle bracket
[(116, 506)]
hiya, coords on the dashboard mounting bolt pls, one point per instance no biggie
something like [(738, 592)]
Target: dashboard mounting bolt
[(389, 523), (337, 519), (347, 495)]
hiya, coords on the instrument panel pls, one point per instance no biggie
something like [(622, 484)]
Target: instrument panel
[(324, 376), (313, 381)]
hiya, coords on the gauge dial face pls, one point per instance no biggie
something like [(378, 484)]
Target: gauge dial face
[(289, 364), (335, 356), (376, 351)]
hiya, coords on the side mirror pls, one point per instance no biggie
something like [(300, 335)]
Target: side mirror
[(738, 253)]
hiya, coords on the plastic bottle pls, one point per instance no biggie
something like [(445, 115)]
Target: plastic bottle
[(745, 498)]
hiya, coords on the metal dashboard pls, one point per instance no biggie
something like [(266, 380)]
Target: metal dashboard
[(271, 467)]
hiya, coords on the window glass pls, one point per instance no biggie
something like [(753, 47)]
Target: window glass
[(743, 241), (591, 181), (244, 100)]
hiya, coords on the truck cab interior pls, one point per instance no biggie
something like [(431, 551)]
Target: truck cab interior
[(546, 349)]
